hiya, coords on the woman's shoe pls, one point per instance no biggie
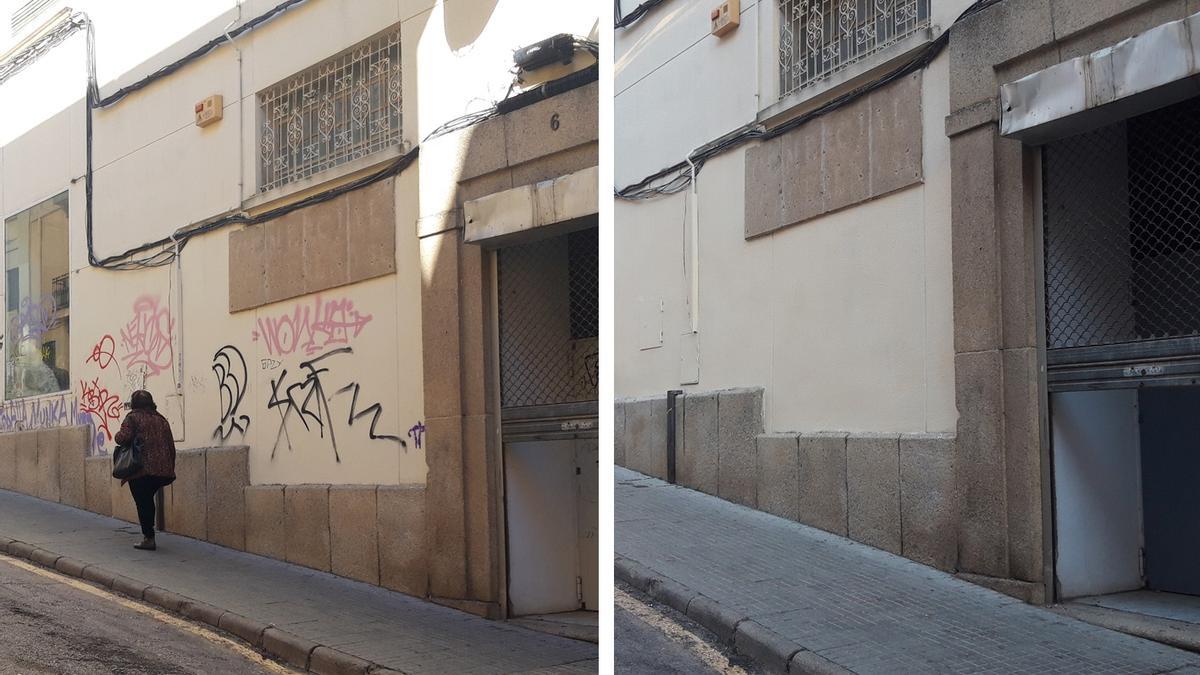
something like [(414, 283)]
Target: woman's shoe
[(146, 545)]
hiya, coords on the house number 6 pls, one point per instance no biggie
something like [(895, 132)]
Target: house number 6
[(554, 122)]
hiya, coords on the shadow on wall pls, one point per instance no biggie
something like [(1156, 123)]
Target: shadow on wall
[(465, 21)]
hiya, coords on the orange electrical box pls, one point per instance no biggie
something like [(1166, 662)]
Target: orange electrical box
[(726, 17), (210, 110)]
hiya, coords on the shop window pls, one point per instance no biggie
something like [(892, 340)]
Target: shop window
[(37, 357)]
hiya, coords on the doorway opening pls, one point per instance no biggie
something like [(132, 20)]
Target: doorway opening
[(1121, 237), (548, 302)]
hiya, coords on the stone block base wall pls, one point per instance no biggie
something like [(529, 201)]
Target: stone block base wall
[(371, 533), (896, 492)]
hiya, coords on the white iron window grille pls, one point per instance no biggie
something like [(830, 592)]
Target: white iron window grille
[(343, 109), (818, 38)]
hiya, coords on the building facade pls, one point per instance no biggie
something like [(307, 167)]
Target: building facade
[(842, 299), (257, 215)]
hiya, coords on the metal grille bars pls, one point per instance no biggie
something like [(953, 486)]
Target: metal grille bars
[(338, 111), (817, 38)]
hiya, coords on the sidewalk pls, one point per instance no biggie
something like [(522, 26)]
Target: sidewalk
[(790, 595), (315, 614)]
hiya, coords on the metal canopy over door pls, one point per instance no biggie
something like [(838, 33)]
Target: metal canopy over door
[(549, 369), (1122, 252)]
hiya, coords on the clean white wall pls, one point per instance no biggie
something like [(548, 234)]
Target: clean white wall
[(845, 319), (1097, 491)]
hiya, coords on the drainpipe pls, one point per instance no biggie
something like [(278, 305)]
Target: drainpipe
[(694, 230), (672, 395)]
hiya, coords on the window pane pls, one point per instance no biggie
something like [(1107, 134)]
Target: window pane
[(37, 306)]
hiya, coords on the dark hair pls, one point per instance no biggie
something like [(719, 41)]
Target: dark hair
[(142, 400)]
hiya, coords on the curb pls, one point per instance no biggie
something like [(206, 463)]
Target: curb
[(287, 647), (772, 651)]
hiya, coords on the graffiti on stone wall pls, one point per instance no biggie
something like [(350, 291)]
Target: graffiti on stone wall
[(100, 404), (307, 399), (230, 369), (63, 410), (311, 327), (146, 338)]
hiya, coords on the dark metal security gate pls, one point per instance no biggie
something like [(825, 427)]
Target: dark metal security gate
[(1122, 253), (549, 334)]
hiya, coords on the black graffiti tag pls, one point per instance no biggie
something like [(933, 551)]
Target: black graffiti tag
[(313, 392), (375, 408), (230, 369)]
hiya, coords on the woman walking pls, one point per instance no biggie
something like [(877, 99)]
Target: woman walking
[(158, 458)]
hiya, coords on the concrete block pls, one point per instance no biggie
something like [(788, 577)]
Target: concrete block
[(325, 244), (123, 507), (47, 464), (740, 421), (306, 521), (265, 531), (1016, 245), (559, 164), (44, 558), (284, 239), (873, 490), (247, 273), (27, 462), (896, 135), (444, 520), (202, 611), (187, 508), (983, 525), (168, 600), (8, 462), (976, 270), (481, 149), (618, 434), (928, 502), (1023, 463), (291, 648), (326, 661), (803, 195), (371, 233), (769, 650), (846, 154), (97, 484), (131, 587), (227, 474), (821, 475), (440, 326), (70, 566), (697, 458), (778, 475), (247, 629), (529, 133), (763, 187), (73, 443), (646, 436), (354, 543), (403, 547), (480, 510)]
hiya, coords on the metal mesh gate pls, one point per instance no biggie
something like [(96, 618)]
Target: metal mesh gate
[(1122, 234), (549, 320)]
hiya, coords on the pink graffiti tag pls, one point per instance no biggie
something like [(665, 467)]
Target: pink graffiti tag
[(312, 327), (103, 353), (100, 403), (147, 336)]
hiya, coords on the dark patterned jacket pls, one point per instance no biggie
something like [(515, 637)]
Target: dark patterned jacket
[(158, 443)]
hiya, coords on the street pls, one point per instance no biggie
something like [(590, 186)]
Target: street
[(653, 638), (55, 624)]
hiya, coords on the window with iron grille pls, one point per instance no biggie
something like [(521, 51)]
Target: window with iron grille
[(346, 108), (1121, 227), (818, 38)]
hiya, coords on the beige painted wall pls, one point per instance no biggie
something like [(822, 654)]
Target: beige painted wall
[(845, 319), (156, 171)]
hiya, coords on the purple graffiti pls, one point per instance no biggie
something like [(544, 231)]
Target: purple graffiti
[(417, 432)]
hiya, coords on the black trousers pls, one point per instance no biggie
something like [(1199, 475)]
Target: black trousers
[(143, 490)]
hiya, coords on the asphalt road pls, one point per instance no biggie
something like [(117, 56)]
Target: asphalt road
[(653, 638), (50, 623)]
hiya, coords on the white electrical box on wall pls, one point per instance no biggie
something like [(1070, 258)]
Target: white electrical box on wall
[(210, 110), (726, 16)]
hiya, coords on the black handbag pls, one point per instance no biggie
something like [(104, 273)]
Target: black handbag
[(127, 459)]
